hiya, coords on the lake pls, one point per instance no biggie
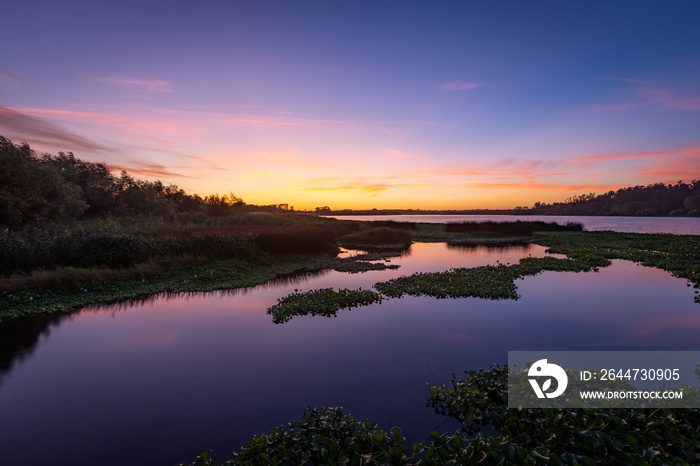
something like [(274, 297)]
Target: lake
[(161, 380), (675, 225)]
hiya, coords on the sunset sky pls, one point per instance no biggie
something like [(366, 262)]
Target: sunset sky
[(361, 104)]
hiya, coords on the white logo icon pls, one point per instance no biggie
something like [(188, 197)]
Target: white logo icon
[(542, 368)]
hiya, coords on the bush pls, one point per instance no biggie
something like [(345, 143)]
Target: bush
[(377, 236), (517, 228)]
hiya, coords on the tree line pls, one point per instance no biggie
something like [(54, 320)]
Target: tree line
[(679, 199), (43, 188)]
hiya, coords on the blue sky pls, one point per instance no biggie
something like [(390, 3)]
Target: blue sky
[(362, 104)]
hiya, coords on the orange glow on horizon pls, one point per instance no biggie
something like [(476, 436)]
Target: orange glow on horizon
[(277, 158)]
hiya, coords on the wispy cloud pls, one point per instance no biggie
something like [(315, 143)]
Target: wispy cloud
[(668, 100), (681, 149), (37, 130), (535, 186), (460, 85), (153, 86), (6, 79), (684, 166), (147, 169), (366, 186), (645, 94)]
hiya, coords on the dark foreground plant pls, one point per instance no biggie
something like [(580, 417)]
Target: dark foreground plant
[(565, 436), (492, 434)]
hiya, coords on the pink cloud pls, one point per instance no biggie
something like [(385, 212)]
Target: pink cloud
[(6, 79), (612, 156), (19, 124), (155, 85), (543, 186), (460, 85), (669, 101), (679, 167)]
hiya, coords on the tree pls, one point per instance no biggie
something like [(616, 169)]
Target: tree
[(32, 190)]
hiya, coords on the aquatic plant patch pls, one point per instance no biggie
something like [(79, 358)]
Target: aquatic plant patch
[(491, 433), (324, 302), (564, 436), (677, 254), (489, 282), (486, 282)]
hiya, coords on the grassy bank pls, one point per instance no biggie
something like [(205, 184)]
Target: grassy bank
[(59, 269)]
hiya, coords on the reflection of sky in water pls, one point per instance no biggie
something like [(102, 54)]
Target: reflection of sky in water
[(174, 376), (674, 225)]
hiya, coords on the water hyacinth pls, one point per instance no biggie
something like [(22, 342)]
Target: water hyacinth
[(324, 302), (486, 282)]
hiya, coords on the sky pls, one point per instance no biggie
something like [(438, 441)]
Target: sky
[(362, 104)]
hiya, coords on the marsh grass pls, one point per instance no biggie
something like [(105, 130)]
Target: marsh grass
[(115, 243), (378, 237), (517, 228), (78, 279)]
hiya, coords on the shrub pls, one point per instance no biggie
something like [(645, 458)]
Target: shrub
[(377, 236), (517, 228)]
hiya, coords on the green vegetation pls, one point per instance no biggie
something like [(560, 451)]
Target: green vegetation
[(325, 302), (680, 199), (117, 260), (659, 199), (585, 251), (66, 288), (487, 282), (677, 254), (517, 228), (491, 433), (35, 189), (382, 237)]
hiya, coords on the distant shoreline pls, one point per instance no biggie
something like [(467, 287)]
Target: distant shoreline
[(514, 213)]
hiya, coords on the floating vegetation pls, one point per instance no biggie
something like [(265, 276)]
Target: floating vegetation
[(324, 302), (491, 433), (562, 436), (677, 254), (498, 281), (489, 282)]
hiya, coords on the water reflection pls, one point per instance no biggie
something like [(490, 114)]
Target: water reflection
[(168, 377), (491, 247), (674, 225), (19, 339)]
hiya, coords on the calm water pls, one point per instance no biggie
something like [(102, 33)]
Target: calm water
[(675, 225), (159, 381)]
